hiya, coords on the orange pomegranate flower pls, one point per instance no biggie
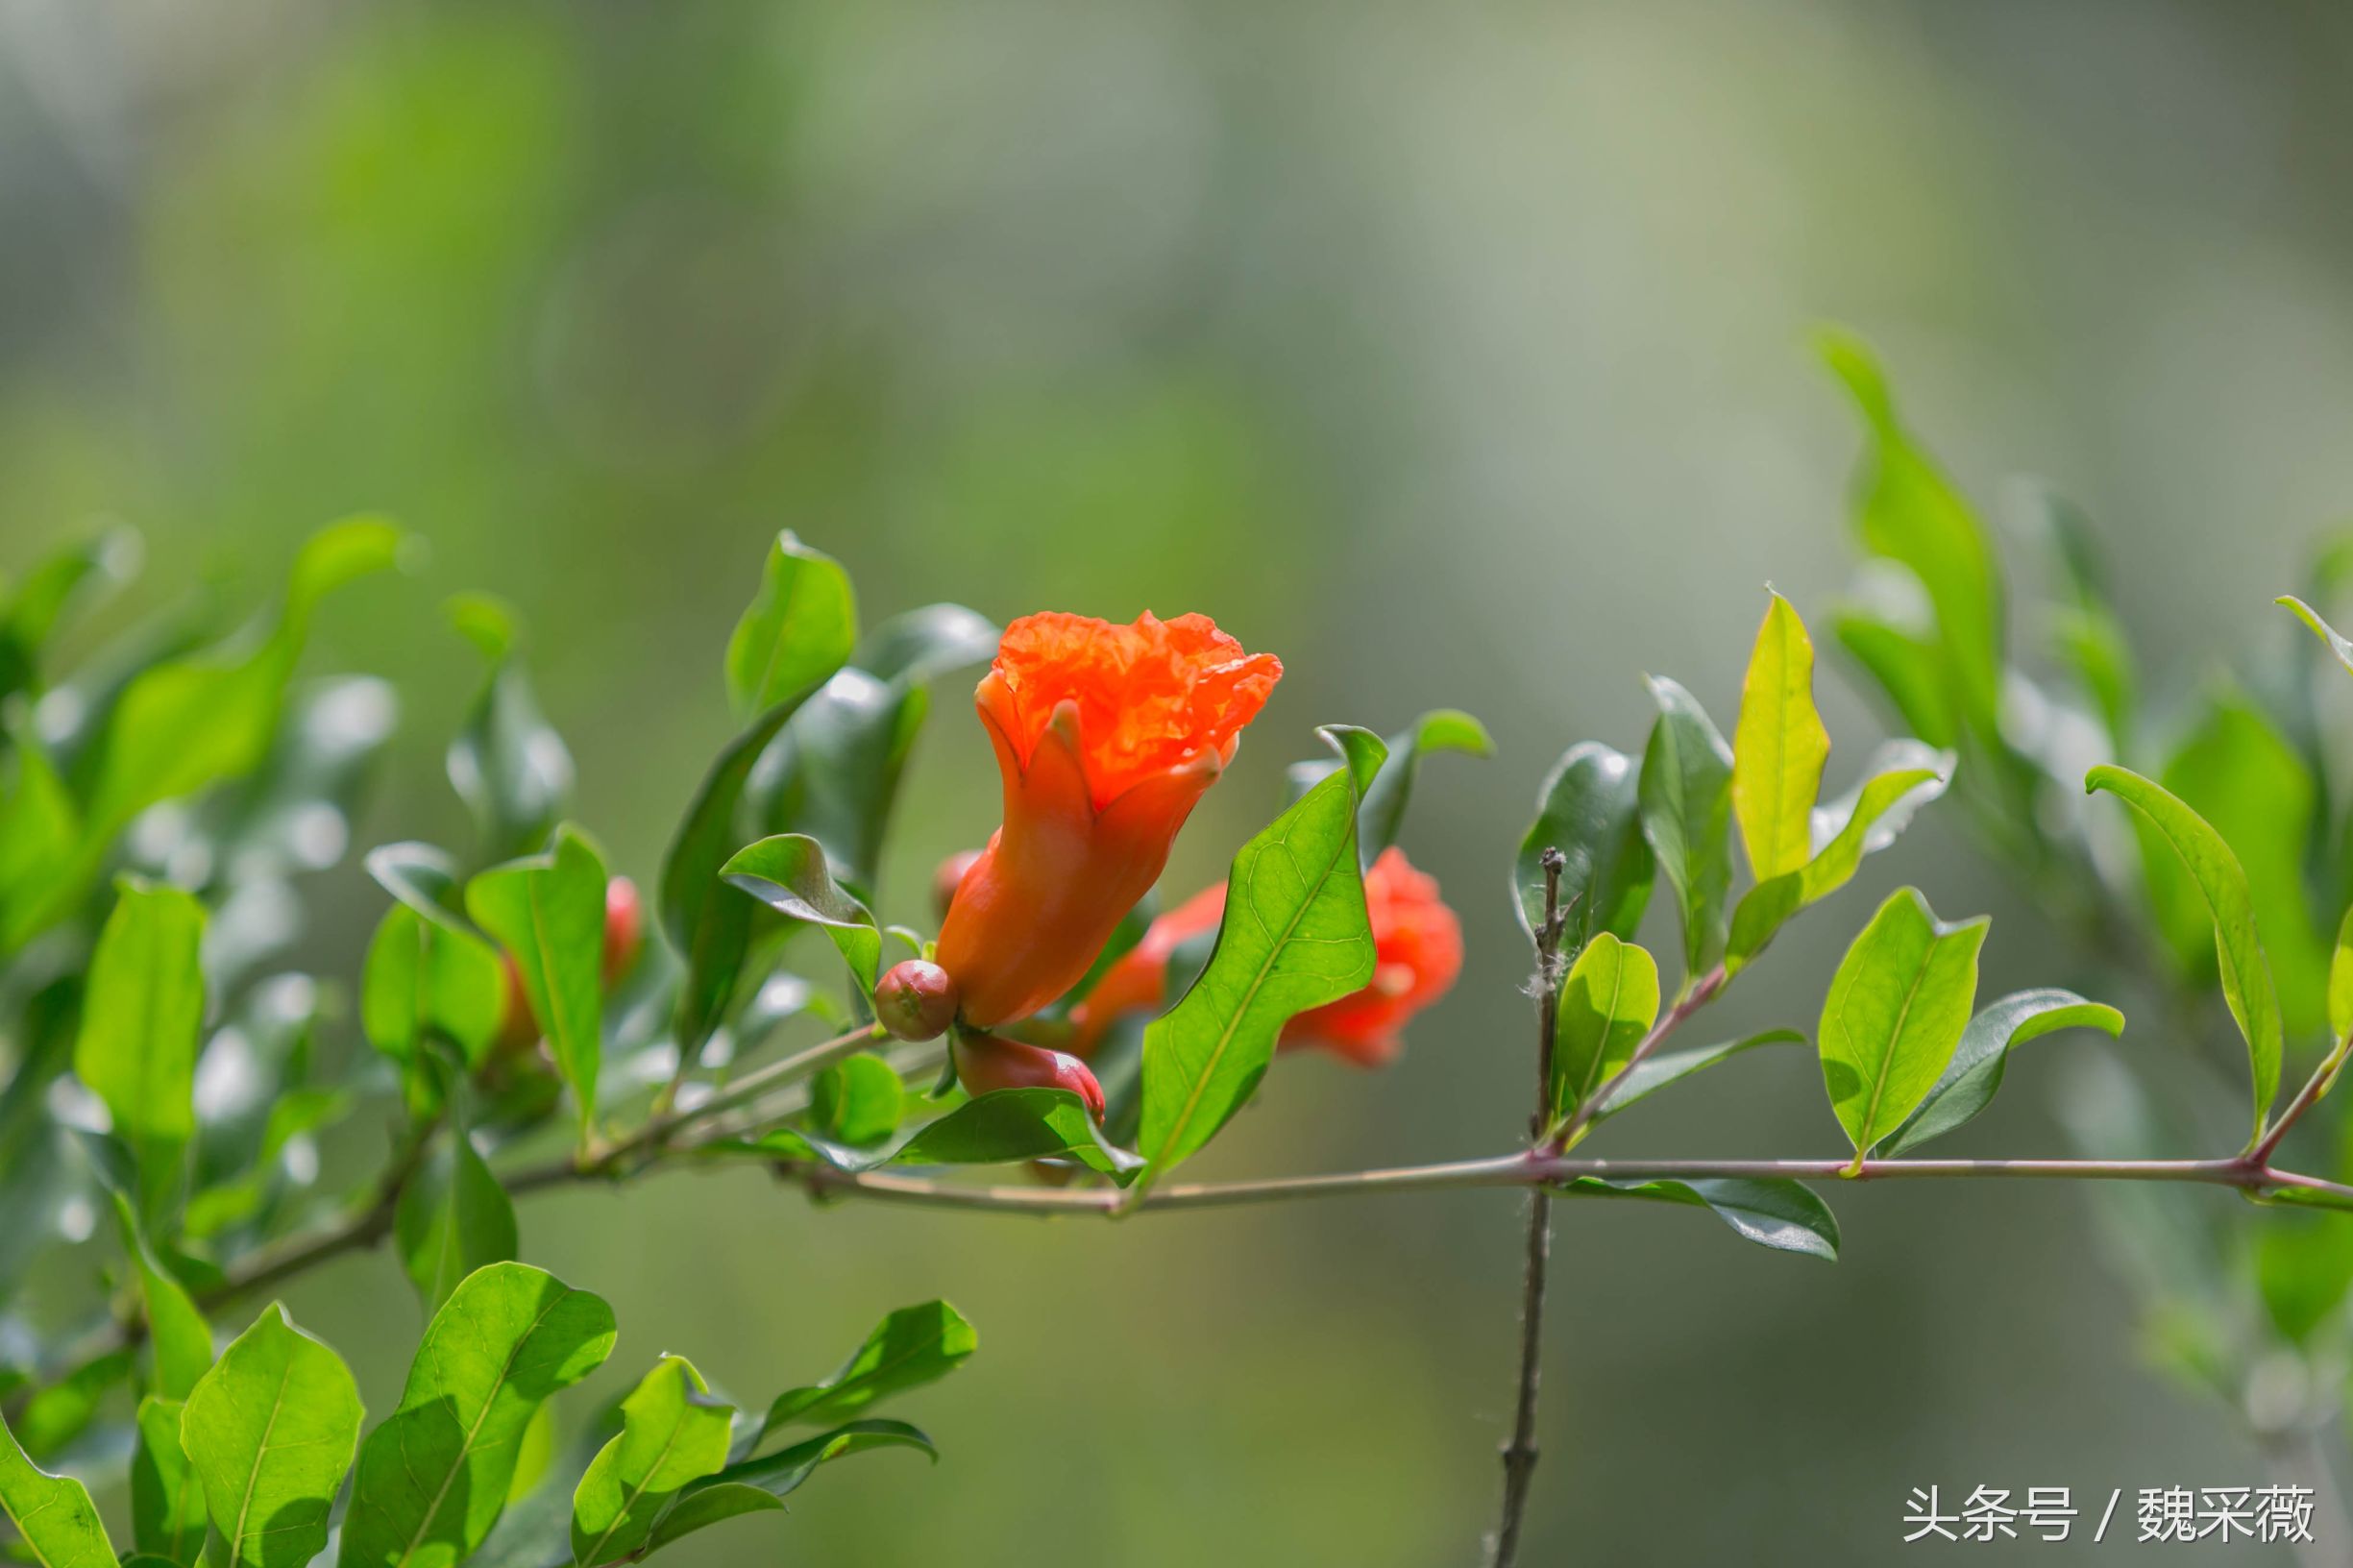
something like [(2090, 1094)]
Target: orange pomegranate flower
[(1417, 945), (1106, 736)]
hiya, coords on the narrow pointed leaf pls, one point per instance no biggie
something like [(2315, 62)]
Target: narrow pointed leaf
[(1608, 1001), (435, 1477), (1667, 1067), (1779, 747), (910, 1348), (2341, 981), (1968, 1083), (270, 1432), (1294, 936), (508, 763), (1590, 809), (142, 1013), (761, 1485), (2222, 887), (1382, 814), (53, 1515), (1783, 1215), (1895, 1013), (673, 1433), (2321, 629), (547, 913), (1686, 803), (800, 628)]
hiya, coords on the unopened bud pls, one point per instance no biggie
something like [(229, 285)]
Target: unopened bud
[(916, 1001), (985, 1063)]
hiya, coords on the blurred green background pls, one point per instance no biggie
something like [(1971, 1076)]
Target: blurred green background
[(1454, 354)]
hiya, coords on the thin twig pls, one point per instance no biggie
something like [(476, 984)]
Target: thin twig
[(801, 1064), (1519, 1455), (2323, 1077)]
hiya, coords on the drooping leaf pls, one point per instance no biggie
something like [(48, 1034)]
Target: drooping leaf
[(800, 628), (1009, 1125), (547, 912), (911, 1347), (167, 1505), (1779, 747), (1783, 1215), (435, 1475), (788, 874), (1907, 511), (673, 1433), (1902, 777), (506, 762), (453, 1218), (1294, 936), (1895, 1013), (1609, 1002), (1686, 802), (760, 1486), (53, 1515), (270, 1433), (1590, 809), (1968, 1083), (2222, 887), (141, 1021), (1656, 1072)]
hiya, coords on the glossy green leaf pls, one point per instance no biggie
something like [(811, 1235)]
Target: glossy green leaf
[(800, 628), (1590, 809), (30, 615), (673, 1433), (788, 874), (1895, 1013), (506, 762), (1382, 816), (64, 1410), (142, 1012), (1609, 1002), (857, 1101), (167, 1505), (435, 1477), (1968, 1083), (1010, 1125), (547, 913), (453, 1218), (1655, 1072), (1908, 671), (908, 1349), (1783, 1215), (2329, 636), (834, 773), (2341, 981), (1294, 936), (177, 1331), (2222, 887), (38, 825), (1903, 776), (426, 979), (1907, 511), (1779, 747), (2254, 787), (1685, 796), (760, 1486), (54, 1516), (270, 1432), (923, 645)]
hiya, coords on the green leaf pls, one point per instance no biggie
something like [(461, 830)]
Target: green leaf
[(2303, 1271), (38, 825), (788, 874), (2328, 634), (1300, 939), (506, 762), (547, 913), (1009, 1125), (1895, 1015), (800, 628), (51, 1514), (182, 1339), (908, 1349), (1686, 802), (1783, 1215), (1968, 1083), (2255, 790), (1382, 814), (270, 1433), (923, 645), (673, 1433), (32, 613), (435, 1477), (1908, 512), (857, 1101), (1590, 809), (62, 1411), (834, 773), (1654, 1073), (1902, 776), (142, 1011), (1907, 670), (167, 1505), (761, 1485), (1779, 747), (2341, 982), (2221, 885), (1607, 1003), (453, 1218)]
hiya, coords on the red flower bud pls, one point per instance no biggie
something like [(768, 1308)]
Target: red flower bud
[(625, 928), (1105, 736), (916, 1001), (985, 1062), (946, 880)]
